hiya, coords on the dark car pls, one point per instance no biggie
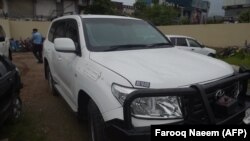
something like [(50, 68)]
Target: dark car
[(10, 85)]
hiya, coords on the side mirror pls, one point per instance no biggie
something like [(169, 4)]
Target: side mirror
[(65, 45), (2, 38)]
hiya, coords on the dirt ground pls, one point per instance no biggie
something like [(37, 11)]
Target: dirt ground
[(51, 114)]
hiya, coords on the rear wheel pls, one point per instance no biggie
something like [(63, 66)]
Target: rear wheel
[(96, 125), (51, 82)]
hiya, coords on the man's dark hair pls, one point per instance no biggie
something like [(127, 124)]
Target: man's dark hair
[(35, 29)]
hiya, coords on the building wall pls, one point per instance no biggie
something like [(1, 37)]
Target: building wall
[(39, 9), (6, 26), (23, 29), (54, 8), (127, 9), (48, 11), (235, 2), (70, 6), (235, 12), (20, 8), (214, 35)]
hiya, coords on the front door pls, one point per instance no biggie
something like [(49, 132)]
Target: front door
[(196, 47), (65, 62)]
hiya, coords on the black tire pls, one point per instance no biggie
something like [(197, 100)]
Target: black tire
[(51, 83), (10, 55), (16, 109), (96, 125)]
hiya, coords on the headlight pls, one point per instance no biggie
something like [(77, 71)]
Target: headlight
[(150, 107), (121, 92), (157, 107)]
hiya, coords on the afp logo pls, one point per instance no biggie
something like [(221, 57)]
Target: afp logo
[(219, 93)]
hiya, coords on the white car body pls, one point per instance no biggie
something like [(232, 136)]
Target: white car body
[(190, 44), (94, 73), (4, 43)]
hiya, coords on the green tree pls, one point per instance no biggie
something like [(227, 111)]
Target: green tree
[(140, 6), (245, 16), (101, 7), (161, 14), (155, 1)]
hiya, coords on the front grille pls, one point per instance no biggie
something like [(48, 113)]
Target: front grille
[(194, 111)]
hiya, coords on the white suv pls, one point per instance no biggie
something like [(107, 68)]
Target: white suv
[(124, 75), (4, 44)]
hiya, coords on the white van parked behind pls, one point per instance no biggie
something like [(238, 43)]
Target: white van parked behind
[(125, 75), (191, 44), (4, 44)]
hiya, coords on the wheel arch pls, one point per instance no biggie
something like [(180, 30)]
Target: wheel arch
[(82, 102), (46, 65), (211, 55)]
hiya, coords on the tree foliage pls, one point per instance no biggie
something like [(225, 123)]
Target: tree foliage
[(140, 5), (245, 16), (157, 14), (100, 7)]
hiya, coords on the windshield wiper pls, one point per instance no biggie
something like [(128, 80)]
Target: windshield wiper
[(158, 45), (127, 46)]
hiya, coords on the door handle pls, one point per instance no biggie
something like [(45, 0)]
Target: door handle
[(192, 49)]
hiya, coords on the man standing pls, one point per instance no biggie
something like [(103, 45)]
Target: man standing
[(37, 45)]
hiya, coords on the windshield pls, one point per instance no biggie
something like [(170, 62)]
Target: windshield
[(107, 34)]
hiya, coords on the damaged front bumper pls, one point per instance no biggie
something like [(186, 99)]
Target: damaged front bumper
[(200, 105)]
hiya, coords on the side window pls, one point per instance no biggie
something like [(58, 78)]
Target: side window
[(51, 32), (193, 43), (72, 31), (60, 30), (181, 42), (173, 40)]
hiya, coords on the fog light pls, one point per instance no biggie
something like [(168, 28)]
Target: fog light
[(246, 119)]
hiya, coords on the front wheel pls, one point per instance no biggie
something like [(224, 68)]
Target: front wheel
[(96, 125)]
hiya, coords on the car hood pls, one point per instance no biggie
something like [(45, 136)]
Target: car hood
[(163, 68)]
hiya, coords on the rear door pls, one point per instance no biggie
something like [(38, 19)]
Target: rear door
[(181, 43)]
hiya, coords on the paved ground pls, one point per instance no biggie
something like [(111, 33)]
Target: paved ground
[(52, 115)]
